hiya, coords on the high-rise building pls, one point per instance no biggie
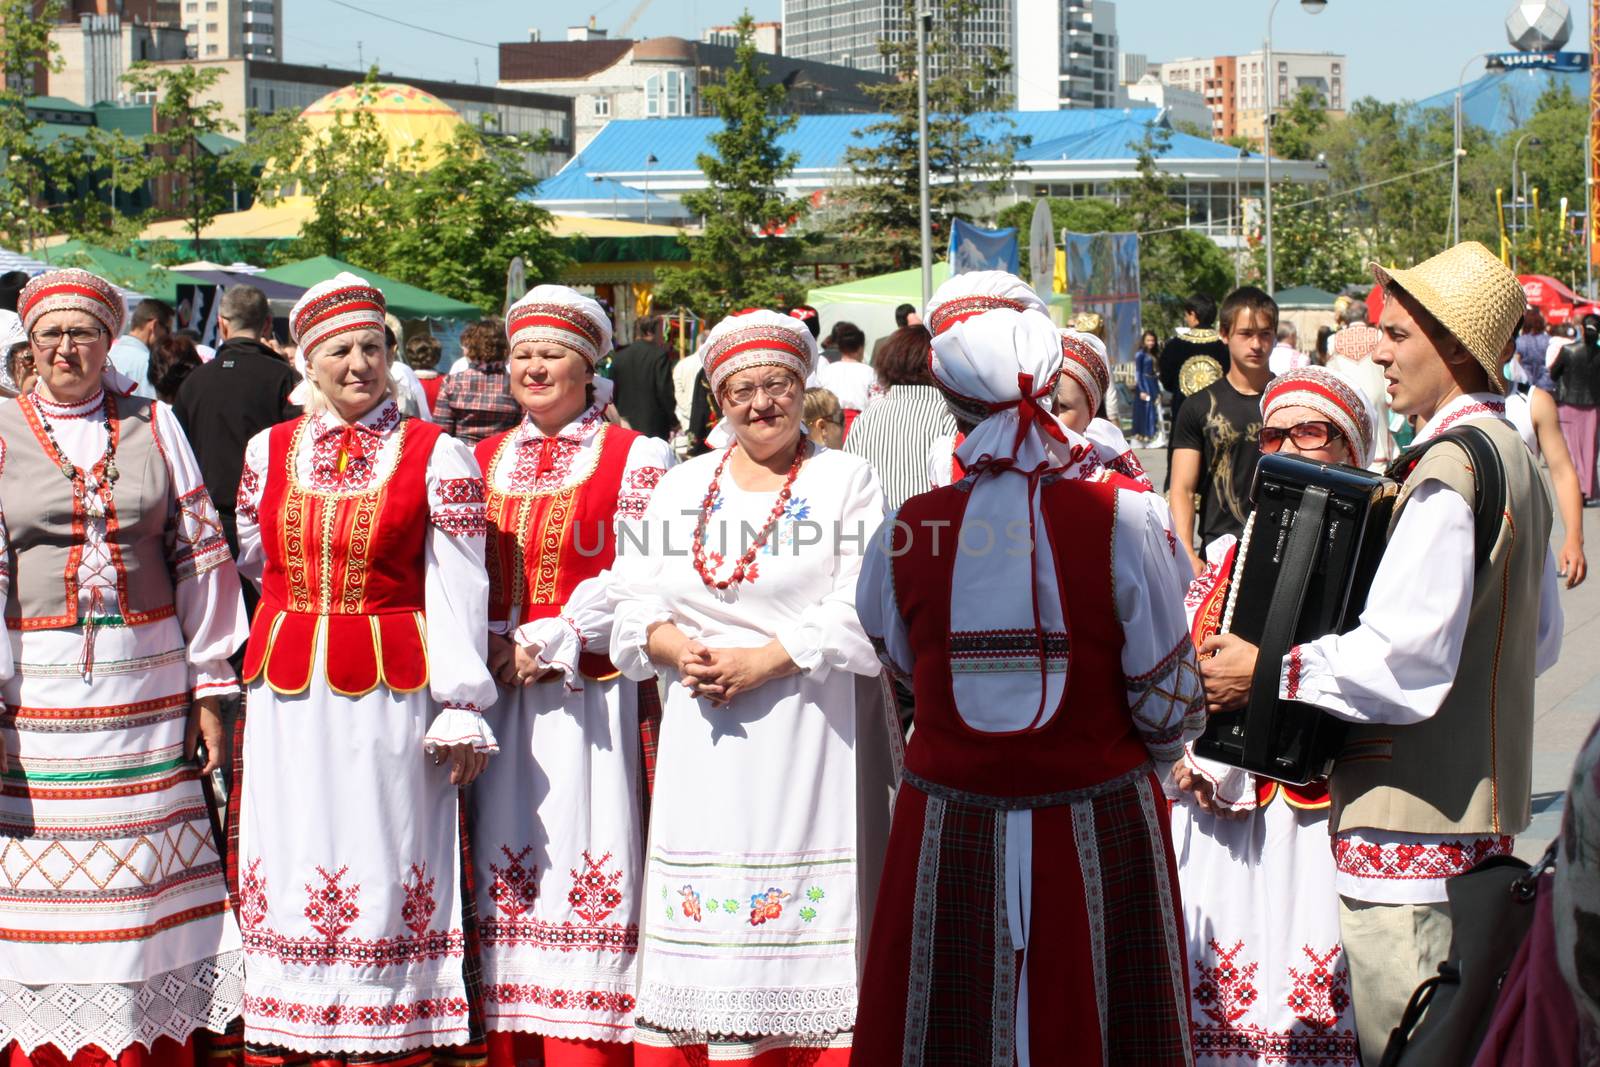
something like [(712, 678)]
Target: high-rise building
[(1063, 52), (1235, 87), (766, 36), (234, 29)]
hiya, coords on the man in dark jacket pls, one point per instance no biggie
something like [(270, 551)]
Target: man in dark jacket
[(642, 373), (242, 391), (1196, 337)]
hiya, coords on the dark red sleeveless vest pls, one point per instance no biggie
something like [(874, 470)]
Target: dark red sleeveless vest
[(1091, 737), (349, 563), (542, 544)]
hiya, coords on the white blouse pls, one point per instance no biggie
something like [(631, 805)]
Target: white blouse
[(456, 586), (209, 607)]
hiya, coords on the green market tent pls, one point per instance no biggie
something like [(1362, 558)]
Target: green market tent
[(123, 271), (870, 302), (406, 301), (1305, 296)]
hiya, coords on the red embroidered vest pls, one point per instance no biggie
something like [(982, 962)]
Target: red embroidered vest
[(348, 564), (1091, 737), (542, 544)]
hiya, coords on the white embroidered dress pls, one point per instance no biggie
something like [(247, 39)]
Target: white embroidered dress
[(349, 841), (116, 928), (754, 906), (557, 834)]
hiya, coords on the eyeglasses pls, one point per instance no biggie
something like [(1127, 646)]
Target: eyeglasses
[(1306, 435), (776, 387), (82, 336)]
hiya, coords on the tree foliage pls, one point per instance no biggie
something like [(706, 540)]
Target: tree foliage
[(1297, 128), (24, 47), (1314, 242), (967, 155), (748, 250)]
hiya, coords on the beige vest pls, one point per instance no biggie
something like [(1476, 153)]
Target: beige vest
[(1468, 769), (43, 521)]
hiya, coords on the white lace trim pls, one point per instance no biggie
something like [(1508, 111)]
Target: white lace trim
[(206, 995), (748, 1012), (459, 726)]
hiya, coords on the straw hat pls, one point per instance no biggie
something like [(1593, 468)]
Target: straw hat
[(1472, 294)]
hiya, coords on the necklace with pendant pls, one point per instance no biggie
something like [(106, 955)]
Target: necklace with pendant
[(70, 470)]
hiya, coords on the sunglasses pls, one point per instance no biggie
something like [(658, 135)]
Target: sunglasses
[(1306, 435)]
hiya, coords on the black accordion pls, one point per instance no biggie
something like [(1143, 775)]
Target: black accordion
[(1302, 571)]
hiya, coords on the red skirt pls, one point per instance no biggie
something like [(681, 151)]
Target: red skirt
[(201, 1050), (1106, 973)]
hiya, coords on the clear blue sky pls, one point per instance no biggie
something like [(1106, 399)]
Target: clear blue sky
[(1398, 49)]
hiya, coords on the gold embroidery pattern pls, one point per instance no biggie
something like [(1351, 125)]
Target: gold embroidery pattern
[(149, 859), (358, 561), (552, 532)]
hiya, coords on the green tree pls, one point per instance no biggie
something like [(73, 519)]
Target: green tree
[(745, 254), (1313, 240), (969, 152), (1080, 216), (186, 150), (24, 47), (1295, 129), (457, 224), (94, 179)]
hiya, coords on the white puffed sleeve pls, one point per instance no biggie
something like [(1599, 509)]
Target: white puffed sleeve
[(206, 593), (247, 506), (456, 591), (634, 593), (876, 605), (828, 635), (7, 667), (585, 619), (1160, 674)]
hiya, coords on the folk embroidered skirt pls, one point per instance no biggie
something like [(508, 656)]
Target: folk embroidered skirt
[(1039, 936), (114, 924), (349, 876), (558, 844), (1268, 977)]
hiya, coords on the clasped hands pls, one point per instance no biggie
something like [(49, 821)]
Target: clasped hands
[(717, 674), (513, 665)]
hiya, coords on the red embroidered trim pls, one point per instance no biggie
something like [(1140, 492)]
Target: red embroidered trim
[(1291, 689), (459, 491), (385, 1015), (1493, 407), (1416, 862), (462, 522), (560, 999)]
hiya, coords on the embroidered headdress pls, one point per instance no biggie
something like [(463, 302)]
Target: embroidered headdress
[(1329, 395), (758, 338), (339, 305), (975, 292), (1084, 357), (71, 290), (561, 316)]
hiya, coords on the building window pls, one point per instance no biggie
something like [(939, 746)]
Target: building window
[(602, 107), (211, 27), (211, 49), (211, 6)]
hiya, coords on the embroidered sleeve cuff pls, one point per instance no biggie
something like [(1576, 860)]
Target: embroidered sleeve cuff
[(558, 644), (1307, 676), (460, 724), (213, 678), (630, 641), (1232, 788)]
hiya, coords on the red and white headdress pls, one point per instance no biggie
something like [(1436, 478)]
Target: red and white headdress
[(561, 316), (1084, 357), (341, 304), (758, 338), (973, 293), (72, 290), (1330, 395)]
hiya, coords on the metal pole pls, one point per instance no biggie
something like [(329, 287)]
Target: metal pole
[(1455, 158), (1266, 137), (923, 19), (1238, 216)]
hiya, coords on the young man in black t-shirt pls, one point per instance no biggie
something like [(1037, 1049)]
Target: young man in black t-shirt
[(1214, 442)]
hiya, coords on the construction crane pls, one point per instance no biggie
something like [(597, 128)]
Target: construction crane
[(633, 16)]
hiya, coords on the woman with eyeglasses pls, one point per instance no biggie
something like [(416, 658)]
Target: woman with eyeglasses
[(772, 777), (121, 607), (1254, 859)]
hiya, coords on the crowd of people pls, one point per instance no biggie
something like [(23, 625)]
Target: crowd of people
[(753, 707)]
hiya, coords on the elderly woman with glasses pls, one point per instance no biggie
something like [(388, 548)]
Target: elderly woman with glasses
[(368, 680), (121, 607), (1254, 859), (772, 778)]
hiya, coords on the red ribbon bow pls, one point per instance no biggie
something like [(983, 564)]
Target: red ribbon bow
[(1031, 411)]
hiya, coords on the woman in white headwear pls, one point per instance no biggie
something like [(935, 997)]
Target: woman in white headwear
[(367, 684), (121, 607), (1267, 975), (739, 584), (1028, 904), (558, 832)]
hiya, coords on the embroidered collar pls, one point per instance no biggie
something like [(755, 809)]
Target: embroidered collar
[(1463, 408), (54, 409), (579, 431), (375, 424)]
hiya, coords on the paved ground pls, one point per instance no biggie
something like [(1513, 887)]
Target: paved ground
[(1567, 697)]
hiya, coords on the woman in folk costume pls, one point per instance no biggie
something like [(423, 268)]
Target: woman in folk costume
[(1267, 975), (772, 782), (121, 607), (558, 838), (1029, 908), (367, 684)]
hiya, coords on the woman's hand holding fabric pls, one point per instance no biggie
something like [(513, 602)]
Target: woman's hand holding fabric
[(725, 673), (205, 724)]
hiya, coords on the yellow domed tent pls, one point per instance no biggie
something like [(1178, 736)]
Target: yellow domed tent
[(411, 120)]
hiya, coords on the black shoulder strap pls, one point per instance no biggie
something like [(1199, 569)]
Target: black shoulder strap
[(1488, 477)]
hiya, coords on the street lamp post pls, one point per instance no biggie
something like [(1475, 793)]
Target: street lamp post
[(1516, 190), (924, 18), (1455, 159), (1238, 214), (1310, 7), (649, 161)]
